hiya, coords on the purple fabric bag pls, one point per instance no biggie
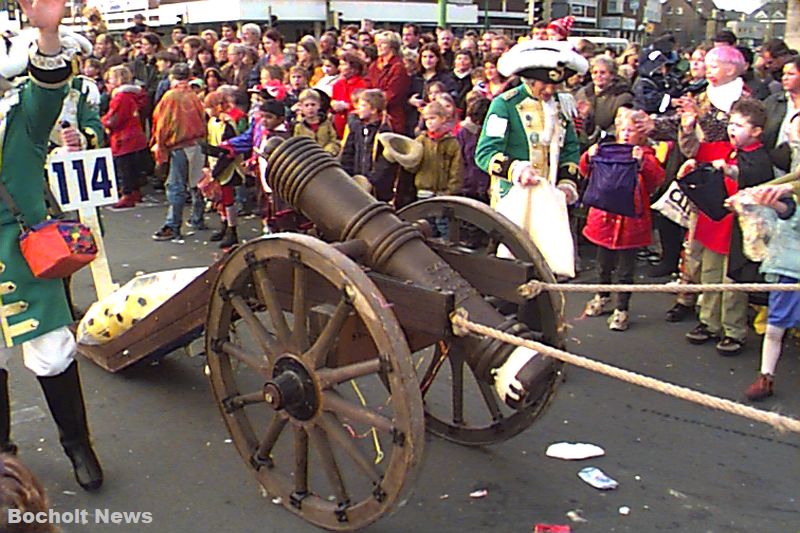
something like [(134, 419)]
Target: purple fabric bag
[(614, 180)]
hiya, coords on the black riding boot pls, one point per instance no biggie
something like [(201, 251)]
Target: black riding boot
[(6, 446), (231, 238), (65, 399)]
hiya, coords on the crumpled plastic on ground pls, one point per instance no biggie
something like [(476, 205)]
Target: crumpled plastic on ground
[(574, 451), (115, 314), (597, 479)]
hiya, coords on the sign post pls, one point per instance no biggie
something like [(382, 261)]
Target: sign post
[(84, 181)]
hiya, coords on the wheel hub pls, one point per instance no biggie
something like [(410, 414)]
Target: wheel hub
[(292, 389)]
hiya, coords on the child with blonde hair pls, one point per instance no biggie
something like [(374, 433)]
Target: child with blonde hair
[(618, 237), (440, 170)]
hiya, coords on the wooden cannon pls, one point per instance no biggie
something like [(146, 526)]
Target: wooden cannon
[(329, 356)]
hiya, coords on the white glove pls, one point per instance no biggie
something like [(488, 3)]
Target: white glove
[(570, 192)]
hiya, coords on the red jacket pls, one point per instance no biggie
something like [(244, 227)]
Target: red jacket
[(618, 232), (716, 234), (343, 90), (124, 120), (391, 77)]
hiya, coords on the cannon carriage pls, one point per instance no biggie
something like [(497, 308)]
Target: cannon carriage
[(328, 357)]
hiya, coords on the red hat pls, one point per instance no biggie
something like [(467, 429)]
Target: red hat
[(562, 25)]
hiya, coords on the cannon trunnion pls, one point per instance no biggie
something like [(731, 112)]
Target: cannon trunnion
[(327, 360)]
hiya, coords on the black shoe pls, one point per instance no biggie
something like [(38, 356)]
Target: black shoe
[(729, 346), (6, 446), (65, 400), (219, 234), (701, 334), (231, 238), (679, 312)]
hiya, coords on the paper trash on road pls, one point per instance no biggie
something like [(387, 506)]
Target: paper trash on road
[(573, 451), (597, 479), (482, 493)]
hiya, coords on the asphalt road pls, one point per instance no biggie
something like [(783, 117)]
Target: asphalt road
[(680, 467)]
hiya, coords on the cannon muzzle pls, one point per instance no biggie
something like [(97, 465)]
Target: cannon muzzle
[(315, 185)]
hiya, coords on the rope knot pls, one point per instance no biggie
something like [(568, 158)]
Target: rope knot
[(459, 317), (532, 289)]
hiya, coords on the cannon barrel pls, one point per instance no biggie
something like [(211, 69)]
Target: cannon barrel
[(315, 185)]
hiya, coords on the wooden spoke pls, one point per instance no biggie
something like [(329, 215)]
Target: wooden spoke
[(323, 446), (318, 352), (491, 402), (333, 376), (250, 359), (262, 336), (235, 403), (300, 308), (300, 460), (334, 429), (457, 366), (332, 401), (268, 294), (274, 431)]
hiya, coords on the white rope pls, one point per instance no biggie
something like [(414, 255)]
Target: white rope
[(462, 326), (533, 288)]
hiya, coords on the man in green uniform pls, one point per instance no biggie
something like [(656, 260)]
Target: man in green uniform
[(527, 136), (33, 312), (527, 140)]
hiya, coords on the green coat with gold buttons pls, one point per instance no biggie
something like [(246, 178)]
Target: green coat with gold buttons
[(29, 307)]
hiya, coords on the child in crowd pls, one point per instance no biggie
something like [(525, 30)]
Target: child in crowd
[(476, 181), (441, 169), (314, 124), (298, 82), (272, 118), (480, 82), (269, 120), (723, 316), (449, 104), (225, 170), (782, 265), (330, 69), (93, 69), (164, 62), (619, 237), (362, 154), (126, 133)]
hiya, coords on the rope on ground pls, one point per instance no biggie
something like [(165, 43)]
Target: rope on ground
[(533, 288), (462, 326)]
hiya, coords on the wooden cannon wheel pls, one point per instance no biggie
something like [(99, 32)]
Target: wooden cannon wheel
[(304, 402), (463, 409)]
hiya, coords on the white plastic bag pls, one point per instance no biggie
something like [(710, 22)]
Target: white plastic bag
[(675, 205), (757, 223), (119, 311), (541, 210)]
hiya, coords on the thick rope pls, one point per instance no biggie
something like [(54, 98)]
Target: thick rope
[(462, 326), (533, 288)]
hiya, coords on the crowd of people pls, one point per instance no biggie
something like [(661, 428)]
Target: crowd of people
[(191, 115)]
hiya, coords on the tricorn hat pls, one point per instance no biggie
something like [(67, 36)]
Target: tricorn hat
[(401, 149), (547, 61)]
